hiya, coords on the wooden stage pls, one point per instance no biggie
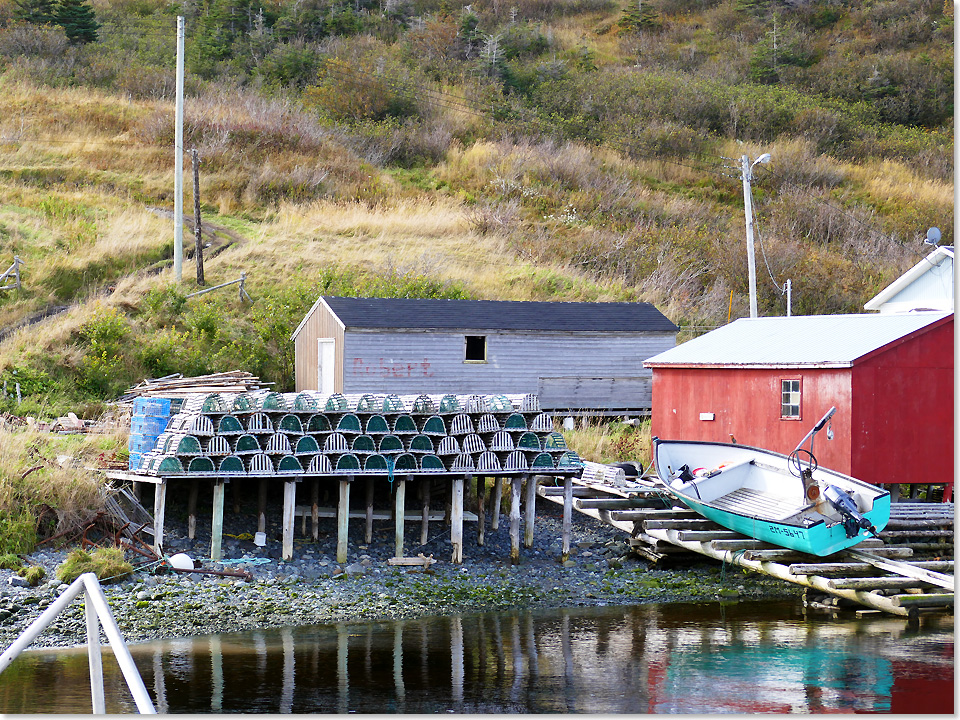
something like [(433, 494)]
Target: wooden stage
[(344, 482)]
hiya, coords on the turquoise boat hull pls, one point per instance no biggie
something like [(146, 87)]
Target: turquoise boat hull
[(815, 530)]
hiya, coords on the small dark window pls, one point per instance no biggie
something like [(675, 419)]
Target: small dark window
[(790, 399), (476, 348)]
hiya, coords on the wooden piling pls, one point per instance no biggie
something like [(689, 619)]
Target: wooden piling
[(192, 509), (315, 509), (567, 517), (495, 503), (343, 518), (216, 529), (425, 513), (289, 509), (515, 520), (456, 521), (368, 531), (530, 510), (400, 510), (159, 506), (262, 506), (481, 503)]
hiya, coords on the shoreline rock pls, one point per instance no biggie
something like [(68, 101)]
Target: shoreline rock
[(314, 589)]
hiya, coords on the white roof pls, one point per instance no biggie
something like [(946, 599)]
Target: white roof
[(799, 341), (928, 285)]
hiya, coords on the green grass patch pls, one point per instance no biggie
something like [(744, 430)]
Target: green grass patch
[(106, 563)]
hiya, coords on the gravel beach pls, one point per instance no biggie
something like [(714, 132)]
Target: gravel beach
[(313, 588)]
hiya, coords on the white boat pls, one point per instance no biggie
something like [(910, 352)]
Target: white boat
[(787, 500)]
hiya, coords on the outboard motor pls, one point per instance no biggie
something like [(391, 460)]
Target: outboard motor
[(852, 519)]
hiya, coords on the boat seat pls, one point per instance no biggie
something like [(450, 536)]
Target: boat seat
[(761, 504)]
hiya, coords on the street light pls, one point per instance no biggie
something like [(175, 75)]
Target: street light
[(747, 171)]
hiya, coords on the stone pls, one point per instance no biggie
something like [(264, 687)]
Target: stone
[(354, 569), (17, 581)]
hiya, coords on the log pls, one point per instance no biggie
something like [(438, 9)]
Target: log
[(400, 515), (578, 492), (927, 600), (875, 583), (707, 535), (424, 561), (343, 520), (683, 524), (515, 521), (567, 528), (289, 507), (425, 511), (216, 529), (614, 503), (495, 503), (635, 515)]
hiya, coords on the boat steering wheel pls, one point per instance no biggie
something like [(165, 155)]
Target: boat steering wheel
[(795, 462)]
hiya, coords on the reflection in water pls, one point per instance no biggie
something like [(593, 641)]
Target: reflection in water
[(701, 659)]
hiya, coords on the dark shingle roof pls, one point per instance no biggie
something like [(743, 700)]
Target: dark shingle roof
[(498, 315)]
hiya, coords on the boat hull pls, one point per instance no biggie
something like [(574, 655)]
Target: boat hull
[(809, 532)]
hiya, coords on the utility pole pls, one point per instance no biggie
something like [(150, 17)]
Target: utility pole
[(747, 172), (789, 298), (196, 214), (178, 163)]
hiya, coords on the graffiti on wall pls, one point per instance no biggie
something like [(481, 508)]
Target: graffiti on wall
[(384, 368)]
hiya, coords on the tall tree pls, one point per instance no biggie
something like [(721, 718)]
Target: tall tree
[(78, 20), (38, 12)]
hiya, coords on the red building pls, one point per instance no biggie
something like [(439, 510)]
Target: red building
[(765, 382)]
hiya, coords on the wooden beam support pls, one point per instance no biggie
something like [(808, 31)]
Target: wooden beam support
[(456, 521), (315, 508), (289, 505), (343, 519), (216, 529), (400, 514), (515, 520)]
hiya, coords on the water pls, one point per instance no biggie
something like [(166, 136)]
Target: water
[(703, 659)]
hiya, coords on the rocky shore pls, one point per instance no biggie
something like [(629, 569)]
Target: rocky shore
[(313, 588)]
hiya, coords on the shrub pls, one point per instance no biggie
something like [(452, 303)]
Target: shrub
[(107, 563), (33, 574), (9, 561)]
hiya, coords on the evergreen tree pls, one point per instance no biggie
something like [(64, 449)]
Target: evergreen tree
[(38, 12), (78, 20)]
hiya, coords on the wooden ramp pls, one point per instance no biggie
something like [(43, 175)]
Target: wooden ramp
[(908, 570)]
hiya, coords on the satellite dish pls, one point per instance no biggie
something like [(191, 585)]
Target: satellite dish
[(933, 236)]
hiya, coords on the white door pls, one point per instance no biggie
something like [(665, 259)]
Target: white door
[(325, 360)]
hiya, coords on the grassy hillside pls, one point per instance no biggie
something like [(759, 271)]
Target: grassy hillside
[(548, 150)]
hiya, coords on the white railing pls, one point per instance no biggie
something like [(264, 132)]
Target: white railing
[(97, 613)]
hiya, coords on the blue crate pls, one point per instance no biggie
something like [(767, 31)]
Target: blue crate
[(140, 443), (148, 425), (134, 462)]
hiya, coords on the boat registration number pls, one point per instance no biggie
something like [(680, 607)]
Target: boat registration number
[(788, 532)]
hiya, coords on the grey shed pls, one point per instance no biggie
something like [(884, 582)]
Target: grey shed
[(578, 356)]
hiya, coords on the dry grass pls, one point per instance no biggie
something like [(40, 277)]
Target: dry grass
[(611, 442)]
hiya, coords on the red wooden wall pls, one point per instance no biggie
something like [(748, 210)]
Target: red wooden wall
[(903, 413), (894, 420)]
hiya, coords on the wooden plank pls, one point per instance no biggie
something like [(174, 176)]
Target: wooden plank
[(707, 535), (930, 576), (640, 515), (343, 515), (840, 568), (567, 529), (289, 505), (925, 600), (578, 492), (456, 521), (875, 583), (683, 524), (314, 509), (615, 503)]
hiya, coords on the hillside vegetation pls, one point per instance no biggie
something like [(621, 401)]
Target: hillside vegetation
[(541, 149)]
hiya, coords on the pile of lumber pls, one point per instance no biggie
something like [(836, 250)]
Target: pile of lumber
[(176, 385)]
